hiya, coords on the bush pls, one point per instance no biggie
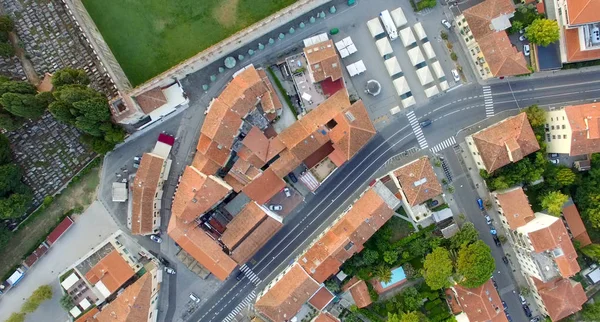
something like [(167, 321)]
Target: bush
[(16, 317), (453, 56), (444, 35), (40, 295), (426, 4), (288, 101)]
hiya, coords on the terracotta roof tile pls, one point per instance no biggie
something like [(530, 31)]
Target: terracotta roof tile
[(321, 298), (257, 149), (482, 303), (553, 237), (492, 141), (283, 301), (197, 193), (112, 271), (202, 247), (360, 294), (576, 226), (481, 15), (242, 224), (151, 100), (204, 164), (516, 208), (212, 150), (144, 188), (293, 135), (323, 61), (89, 316), (131, 305), (585, 128), (583, 11), (326, 111), (353, 130), (502, 57), (562, 297), (264, 187), (255, 240), (574, 52), (418, 181), (286, 163), (241, 174), (273, 98), (326, 317), (221, 124)]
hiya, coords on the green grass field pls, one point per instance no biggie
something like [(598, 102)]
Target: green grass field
[(149, 36)]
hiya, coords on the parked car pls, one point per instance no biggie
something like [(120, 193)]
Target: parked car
[(494, 282), (275, 207), (527, 311), (505, 260), (554, 161), (526, 50), (164, 261), (554, 156), (488, 219), (480, 204), (287, 192), (433, 203), (292, 177), (455, 75), (425, 123), (239, 276), (523, 302), (169, 270), (497, 240), (508, 317), (194, 298), (446, 23), (504, 305), (156, 239)]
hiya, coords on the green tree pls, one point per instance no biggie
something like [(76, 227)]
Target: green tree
[(543, 32), (95, 109), (10, 178), (536, 116), (475, 264), (19, 87), (45, 97), (465, 236), (6, 23), (332, 286), (69, 76), (591, 312), (66, 302), (516, 26), (565, 177), (9, 122), (16, 317), (370, 256), (437, 269), (592, 251), (40, 295), (61, 110), (390, 256), (554, 201), (412, 300), (413, 316), (5, 150), (410, 272), (23, 105), (14, 206), (6, 50), (383, 273)]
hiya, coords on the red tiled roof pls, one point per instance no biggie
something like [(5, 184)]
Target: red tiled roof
[(89, 316), (244, 222), (360, 294), (562, 297), (584, 120), (482, 303), (131, 305), (516, 208), (204, 164), (576, 226), (255, 240), (144, 188), (574, 52), (37, 254), (323, 61), (583, 11), (264, 187), (552, 237), (213, 150), (321, 298), (112, 270), (326, 317), (418, 181), (59, 230), (151, 100)]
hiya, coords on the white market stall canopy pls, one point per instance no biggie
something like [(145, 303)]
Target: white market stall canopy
[(433, 90), (384, 47), (345, 47), (344, 52), (444, 86), (315, 39), (401, 86), (375, 27), (392, 66), (356, 68), (428, 50), (407, 37), (306, 97), (424, 75), (419, 31), (416, 56), (408, 102), (398, 17), (437, 69)]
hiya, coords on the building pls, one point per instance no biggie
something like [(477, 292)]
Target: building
[(482, 28), (573, 130), (417, 183), (545, 253), (481, 304), (507, 141), (575, 225), (578, 22), (359, 291), (323, 61)]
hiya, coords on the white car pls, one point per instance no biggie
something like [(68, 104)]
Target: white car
[(156, 239), (455, 75), (169, 270), (287, 192), (526, 50), (194, 298), (488, 219), (275, 207), (554, 161), (522, 38), (446, 23)]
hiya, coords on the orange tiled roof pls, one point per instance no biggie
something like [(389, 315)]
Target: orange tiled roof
[(360, 294), (285, 164), (144, 190), (241, 174), (204, 164), (323, 61), (346, 236), (270, 101), (212, 150), (264, 187), (202, 247), (562, 297), (514, 133), (585, 128), (418, 181), (576, 226), (257, 149), (112, 271), (151, 99), (221, 124), (283, 301), (326, 111), (574, 52), (321, 298), (353, 130), (502, 57), (255, 240), (516, 208), (197, 193), (250, 216), (583, 11), (481, 15), (552, 237), (89, 316), (326, 317), (131, 305), (482, 303)]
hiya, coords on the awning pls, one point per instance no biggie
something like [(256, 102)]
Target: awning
[(401, 86), (315, 39), (392, 66), (344, 53), (375, 27), (433, 90), (424, 75), (398, 17), (428, 50), (407, 37), (384, 47), (416, 56), (408, 102), (419, 31), (437, 69), (444, 85), (356, 68)]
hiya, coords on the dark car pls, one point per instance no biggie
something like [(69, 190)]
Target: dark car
[(505, 260), (164, 261), (508, 317), (434, 203), (292, 177), (504, 305), (527, 311), (425, 123), (553, 155), (239, 276), (495, 284), (497, 241)]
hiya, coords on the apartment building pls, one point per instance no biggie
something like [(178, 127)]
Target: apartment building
[(480, 304), (579, 22), (573, 130), (323, 62)]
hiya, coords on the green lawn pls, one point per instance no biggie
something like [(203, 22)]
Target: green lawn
[(149, 36)]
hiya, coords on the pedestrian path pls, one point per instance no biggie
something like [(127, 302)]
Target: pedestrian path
[(488, 101), (247, 301), (250, 274), (444, 144), (417, 129)]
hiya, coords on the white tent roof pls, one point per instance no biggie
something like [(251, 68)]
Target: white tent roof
[(392, 66), (352, 70), (437, 69), (315, 39), (360, 66), (416, 56), (424, 75), (344, 52), (594, 276), (398, 17), (431, 91), (375, 27), (69, 281), (401, 86), (395, 110), (85, 304), (407, 37), (419, 31), (306, 96), (340, 45), (409, 101), (347, 41), (428, 50), (384, 47), (351, 49), (356, 68), (75, 311), (444, 85)]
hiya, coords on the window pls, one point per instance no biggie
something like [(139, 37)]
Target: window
[(551, 119), (478, 163), (563, 126), (474, 153), (564, 136), (331, 124), (563, 118), (554, 136), (552, 127)]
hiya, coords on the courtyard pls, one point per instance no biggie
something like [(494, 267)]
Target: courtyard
[(162, 34)]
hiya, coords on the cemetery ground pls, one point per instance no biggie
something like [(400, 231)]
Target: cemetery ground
[(162, 34), (75, 198)]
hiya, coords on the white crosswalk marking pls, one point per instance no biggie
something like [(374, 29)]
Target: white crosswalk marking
[(231, 316), (417, 129), (444, 144), (488, 101), (250, 274)]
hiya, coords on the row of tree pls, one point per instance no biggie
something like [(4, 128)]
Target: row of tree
[(15, 196), (6, 26)]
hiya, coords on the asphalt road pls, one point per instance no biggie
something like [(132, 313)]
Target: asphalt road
[(455, 110)]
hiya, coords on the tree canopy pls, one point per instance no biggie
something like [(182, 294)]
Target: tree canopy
[(465, 236), (475, 264), (437, 269), (23, 105), (554, 202), (69, 76), (591, 312), (543, 32), (6, 23), (536, 115), (5, 151)]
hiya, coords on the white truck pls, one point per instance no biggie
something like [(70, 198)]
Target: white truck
[(388, 24)]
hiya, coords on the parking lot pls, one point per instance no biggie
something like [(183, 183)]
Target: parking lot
[(288, 204)]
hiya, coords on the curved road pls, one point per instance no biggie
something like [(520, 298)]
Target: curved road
[(455, 110)]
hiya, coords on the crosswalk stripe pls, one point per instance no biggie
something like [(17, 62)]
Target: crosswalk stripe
[(412, 119), (444, 144)]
